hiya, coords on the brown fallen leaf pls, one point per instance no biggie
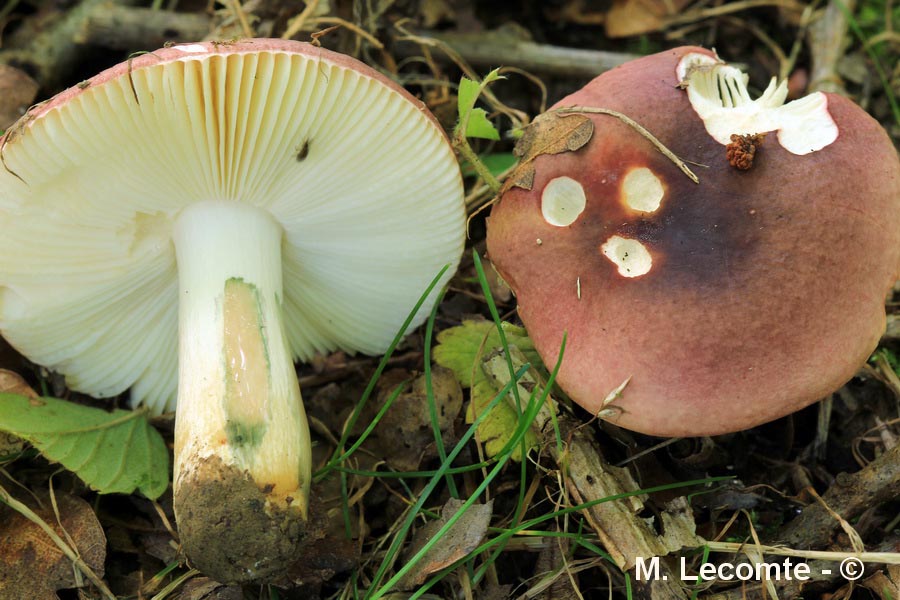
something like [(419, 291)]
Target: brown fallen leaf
[(550, 574), (405, 434), (634, 17), (884, 584), (31, 565), (549, 133), (203, 588), (464, 536), (17, 93), (12, 383)]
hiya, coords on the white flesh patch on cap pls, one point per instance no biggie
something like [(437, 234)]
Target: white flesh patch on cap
[(562, 201), (371, 211), (191, 48), (630, 256), (642, 190), (718, 94)]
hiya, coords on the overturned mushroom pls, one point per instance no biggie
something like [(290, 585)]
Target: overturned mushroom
[(724, 304), (195, 219)]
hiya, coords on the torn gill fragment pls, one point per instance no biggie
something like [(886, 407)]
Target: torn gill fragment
[(718, 94)]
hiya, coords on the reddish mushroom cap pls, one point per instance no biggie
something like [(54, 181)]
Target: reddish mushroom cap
[(734, 301)]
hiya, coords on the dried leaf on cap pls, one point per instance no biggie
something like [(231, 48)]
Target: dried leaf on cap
[(549, 133)]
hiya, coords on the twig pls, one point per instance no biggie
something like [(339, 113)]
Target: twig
[(127, 28), (29, 514), (296, 24), (241, 16), (351, 26), (727, 8), (501, 47), (849, 496), (637, 127), (47, 48), (517, 117), (822, 570), (887, 558)]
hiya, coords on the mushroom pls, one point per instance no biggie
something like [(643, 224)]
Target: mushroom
[(723, 304), (194, 220)]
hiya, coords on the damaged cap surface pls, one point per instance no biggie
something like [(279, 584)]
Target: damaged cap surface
[(765, 288)]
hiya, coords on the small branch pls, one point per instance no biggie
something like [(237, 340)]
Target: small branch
[(823, 571), (892, 332), (887, 558), (46, 47), (637, 127), (849, 496), (504, 47), (127, 28)]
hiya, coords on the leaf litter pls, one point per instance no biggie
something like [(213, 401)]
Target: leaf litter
[(743, 453), (31, 565)]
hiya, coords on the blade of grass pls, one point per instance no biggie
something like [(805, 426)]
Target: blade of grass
[(545, 393), (339, 455), (495, 315), (532, 409), (429, 393), (345, 508), (882, 76), (415, 474), (397, 543)]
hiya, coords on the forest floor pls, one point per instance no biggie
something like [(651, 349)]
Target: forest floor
[(569, 521)]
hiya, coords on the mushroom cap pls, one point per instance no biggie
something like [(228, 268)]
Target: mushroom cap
[(356, 171), (764, 289)]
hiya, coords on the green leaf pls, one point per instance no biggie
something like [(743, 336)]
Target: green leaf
[(480, 127), (474, 119), (113, 452), (461, 349), (496, 163)]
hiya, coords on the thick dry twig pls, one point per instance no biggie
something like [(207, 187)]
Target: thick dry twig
[(128, 28), (46, 48), (892, 332), (849, 497), (503, 47), (823, 574)]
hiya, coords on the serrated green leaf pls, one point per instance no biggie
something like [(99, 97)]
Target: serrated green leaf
[(113, 452), (466, 96), (477, 123), (460, 349), (479, 126)]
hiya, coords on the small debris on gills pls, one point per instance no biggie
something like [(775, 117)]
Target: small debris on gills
[(742, 149)]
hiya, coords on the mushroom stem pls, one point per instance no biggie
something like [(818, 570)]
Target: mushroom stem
[(242, 448)]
